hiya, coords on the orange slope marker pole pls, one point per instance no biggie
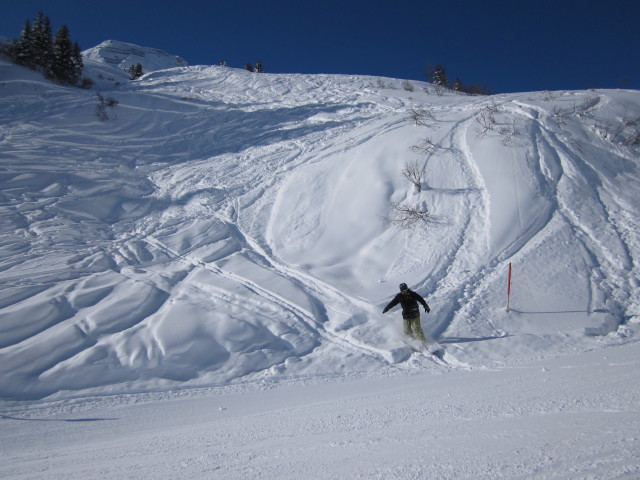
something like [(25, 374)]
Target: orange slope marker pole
[(509, 288)]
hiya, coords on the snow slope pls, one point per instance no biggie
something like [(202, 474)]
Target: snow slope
[(222, 223), (224, 228), (539, 421)]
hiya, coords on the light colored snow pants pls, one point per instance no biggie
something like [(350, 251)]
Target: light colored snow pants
[(412, 328)]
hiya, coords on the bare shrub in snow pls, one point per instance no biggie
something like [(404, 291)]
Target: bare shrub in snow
[(581, 110), (421, 117), (547, 96), (486, 121), (425, 146), (561, 114), (101, 108), (626, 131), (508, 133), (609, 130), (408, 86), (440, 89), (406, 216), (633, 140), (414, 172), (587, 106), (558, 111)]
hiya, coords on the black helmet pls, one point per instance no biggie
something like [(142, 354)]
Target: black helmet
[(403, 287)]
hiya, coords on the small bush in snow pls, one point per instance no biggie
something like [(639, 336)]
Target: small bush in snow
[(408, 86), (587, 106), (421, 117), (440, 89), (508, 133), (626, 132), (407, 216), (548, 96), (414, 172), (101, 108), (486, 119), (425, 146), (633, 140), (457, 86)]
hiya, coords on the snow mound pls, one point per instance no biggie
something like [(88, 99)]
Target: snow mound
[(121, 55), (114, 58)]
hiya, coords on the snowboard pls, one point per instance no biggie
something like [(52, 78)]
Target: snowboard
[(428, 348)]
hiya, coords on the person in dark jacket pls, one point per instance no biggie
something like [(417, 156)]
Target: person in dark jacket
[(409, 299)]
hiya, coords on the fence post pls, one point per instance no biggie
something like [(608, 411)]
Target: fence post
[(509, 288)]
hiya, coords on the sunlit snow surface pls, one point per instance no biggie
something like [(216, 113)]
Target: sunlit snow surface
[(224, 228)]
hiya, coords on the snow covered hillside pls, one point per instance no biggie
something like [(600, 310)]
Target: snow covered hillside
[(216, 226)]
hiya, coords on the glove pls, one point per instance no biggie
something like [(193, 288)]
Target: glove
[(427, 309), (385, 310)]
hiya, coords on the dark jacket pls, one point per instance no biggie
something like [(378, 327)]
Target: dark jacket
[(409, 301)]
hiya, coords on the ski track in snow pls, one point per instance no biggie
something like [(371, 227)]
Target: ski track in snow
[(223, 226)]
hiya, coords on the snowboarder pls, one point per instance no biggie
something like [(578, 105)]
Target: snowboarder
[(409, 299)]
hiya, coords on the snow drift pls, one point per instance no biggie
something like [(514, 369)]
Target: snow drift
[(221, 225)]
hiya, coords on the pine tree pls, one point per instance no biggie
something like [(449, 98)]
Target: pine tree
[(458, 86), (77, 65), (259, 67), (440, 76), (62, 66), (135, 71), (42, 43), (22, 50)]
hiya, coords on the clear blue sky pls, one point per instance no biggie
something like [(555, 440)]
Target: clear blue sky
[(508, 45)]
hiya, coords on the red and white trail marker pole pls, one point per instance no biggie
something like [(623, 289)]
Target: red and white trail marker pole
[(509, 287)]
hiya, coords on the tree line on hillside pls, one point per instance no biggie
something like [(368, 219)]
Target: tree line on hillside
[(258, 68), (438, 76), (56, 56), (59, 59)]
